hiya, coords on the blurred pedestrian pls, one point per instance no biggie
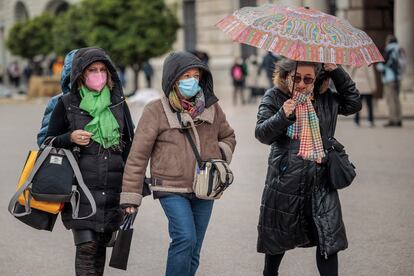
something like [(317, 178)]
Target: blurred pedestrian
[(57, 66), (190, 103), (14, 74), (252, 78), (238, 74), (27, 72), (364, 78), (94, 118), (298, 208), (121, 74), (50, 62), (268, 65), (391, 78), (149, 72)]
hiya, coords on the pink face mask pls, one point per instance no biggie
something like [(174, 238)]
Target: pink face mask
[(96, 81)]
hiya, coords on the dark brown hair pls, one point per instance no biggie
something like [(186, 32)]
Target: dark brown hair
[(81, 80)]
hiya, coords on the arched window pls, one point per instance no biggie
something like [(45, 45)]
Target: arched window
[(57, 6), (20, 12)]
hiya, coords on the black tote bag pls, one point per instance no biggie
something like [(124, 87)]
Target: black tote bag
[(120, 251)]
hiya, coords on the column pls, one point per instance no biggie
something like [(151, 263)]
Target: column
[(403, 29)]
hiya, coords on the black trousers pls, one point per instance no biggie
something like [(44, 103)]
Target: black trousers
[(238, 91), (326, 267), (91, 254), (368, 100)]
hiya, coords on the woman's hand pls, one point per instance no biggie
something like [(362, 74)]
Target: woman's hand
[(329, 66), (288, 107), (80, 137), (130, 210)]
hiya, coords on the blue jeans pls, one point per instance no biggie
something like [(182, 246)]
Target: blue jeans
[(187, 224)]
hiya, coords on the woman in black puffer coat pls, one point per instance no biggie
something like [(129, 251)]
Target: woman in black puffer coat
[(95, 118), (298, 208)]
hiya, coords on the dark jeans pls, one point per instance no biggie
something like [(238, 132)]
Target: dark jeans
[(368, 100), (326, 267), (187, 224)]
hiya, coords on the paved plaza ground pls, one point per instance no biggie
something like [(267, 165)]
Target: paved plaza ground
[(377, 208)]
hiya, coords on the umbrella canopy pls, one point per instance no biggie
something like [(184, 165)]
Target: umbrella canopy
[(302, 34)]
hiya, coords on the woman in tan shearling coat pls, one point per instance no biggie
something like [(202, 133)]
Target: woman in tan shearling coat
[(188, 88)]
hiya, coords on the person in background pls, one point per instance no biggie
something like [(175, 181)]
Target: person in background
[(14, 73), (94, 118), (298, 207), (58, 66), (252, 79), (391, 78), (189, 103), (238, 74), (268, 64), (121, 73), (364, 78), (149, 72)]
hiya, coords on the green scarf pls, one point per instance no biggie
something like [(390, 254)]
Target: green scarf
[(104, 127)]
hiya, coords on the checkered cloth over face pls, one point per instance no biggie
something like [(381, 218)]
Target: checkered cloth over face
[(306, 128)]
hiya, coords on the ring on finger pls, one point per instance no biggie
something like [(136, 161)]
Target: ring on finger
[(82, 137)]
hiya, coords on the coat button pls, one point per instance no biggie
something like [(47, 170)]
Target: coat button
[(103, 193)]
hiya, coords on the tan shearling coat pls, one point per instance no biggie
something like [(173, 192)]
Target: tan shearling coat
[(172, 161)]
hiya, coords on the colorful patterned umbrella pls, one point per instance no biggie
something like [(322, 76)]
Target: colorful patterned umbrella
[(301, 34)]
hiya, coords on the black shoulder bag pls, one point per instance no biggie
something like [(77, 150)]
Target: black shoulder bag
[(341, 171)]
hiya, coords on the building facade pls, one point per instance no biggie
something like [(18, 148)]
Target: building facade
[(377, 17)]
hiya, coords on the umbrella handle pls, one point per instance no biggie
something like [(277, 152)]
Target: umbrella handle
[(294, 74)]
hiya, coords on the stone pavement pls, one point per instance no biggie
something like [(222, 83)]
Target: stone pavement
[(377, 208)]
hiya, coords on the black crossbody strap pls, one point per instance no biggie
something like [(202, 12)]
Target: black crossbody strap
[(190, 139), (193, 146)]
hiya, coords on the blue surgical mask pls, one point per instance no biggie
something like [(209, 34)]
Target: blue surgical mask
[(189, 87)]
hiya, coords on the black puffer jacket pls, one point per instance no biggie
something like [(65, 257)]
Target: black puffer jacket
[(102, 169), (293, 185)]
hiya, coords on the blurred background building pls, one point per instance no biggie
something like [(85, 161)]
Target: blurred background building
[(198, 33)]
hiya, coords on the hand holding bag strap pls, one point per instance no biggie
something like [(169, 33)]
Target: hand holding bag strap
[(15, 198), (224, 172), (75, 199)]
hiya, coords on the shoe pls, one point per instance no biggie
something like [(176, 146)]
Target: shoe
[(391, 124)]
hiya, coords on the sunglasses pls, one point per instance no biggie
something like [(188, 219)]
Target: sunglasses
[(306, 80)]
